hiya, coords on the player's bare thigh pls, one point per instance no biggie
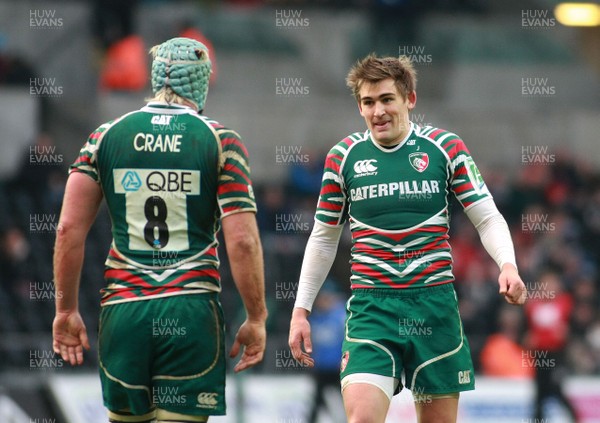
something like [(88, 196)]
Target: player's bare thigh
[(437, 408), (365, 403)]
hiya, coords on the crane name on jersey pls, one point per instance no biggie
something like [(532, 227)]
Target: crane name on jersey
[(400, 188), (162, 143)]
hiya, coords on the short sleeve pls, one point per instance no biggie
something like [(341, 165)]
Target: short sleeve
[(234, 193), (86, 162), (331, 207), (466, 181)]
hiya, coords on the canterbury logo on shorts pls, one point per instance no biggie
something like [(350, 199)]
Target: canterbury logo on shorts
[(207, 400)]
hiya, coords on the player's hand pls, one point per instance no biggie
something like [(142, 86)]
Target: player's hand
[(253, 336), (511, 285), (69, 337), (300, 337)]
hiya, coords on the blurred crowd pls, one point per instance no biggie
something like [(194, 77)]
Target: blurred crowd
[(553, 210)]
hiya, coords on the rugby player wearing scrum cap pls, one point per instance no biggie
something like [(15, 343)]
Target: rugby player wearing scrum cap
[(172, 178)]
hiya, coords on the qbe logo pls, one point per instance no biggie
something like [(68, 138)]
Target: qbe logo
[(131, 181), (365, 168)]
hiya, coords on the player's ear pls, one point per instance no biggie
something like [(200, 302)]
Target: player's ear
[(411, 99), (360, 109)]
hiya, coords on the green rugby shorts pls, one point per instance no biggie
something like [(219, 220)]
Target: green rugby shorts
[(163, 353), (415, 333)]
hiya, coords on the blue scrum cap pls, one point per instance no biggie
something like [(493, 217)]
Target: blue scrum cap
[(183, 65)]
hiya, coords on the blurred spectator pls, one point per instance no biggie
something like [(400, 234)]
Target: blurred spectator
[(15, 266), (502, 355), (15, 70), (305, 176), (548, 312), (42, 174), (526, 190), (113, 20), (327, 327), (125, 66)]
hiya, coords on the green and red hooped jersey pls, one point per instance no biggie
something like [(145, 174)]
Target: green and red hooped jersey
[(168, 175), (396, 201)]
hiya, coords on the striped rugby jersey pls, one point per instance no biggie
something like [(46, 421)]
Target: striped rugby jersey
[(168, 175), (396, 201)]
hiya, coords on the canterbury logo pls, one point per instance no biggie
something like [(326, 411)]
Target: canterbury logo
[(207, 398), (364, 166)]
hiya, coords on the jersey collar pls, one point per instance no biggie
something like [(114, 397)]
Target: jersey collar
[(397, 147), (166, 108)]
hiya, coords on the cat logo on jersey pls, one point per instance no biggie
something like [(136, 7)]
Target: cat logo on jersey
[(419, 161), (161, 119)]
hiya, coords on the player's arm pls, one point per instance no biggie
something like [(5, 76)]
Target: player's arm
[(320, 251), (495, 237), (319, 256), (80, 205), (246, 261), (238, 207)]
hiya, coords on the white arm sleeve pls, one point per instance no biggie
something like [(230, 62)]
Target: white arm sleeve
[(319, 255), (493, 231)]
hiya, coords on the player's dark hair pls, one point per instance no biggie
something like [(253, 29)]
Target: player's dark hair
[(374, 69)]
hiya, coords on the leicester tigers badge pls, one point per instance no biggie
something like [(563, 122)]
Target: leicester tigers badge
[(344, 362), (419, 161)]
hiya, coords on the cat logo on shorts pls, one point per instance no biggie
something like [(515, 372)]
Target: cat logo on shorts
[(344, 362), (419, 161), (464, 377), (207, 400)]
